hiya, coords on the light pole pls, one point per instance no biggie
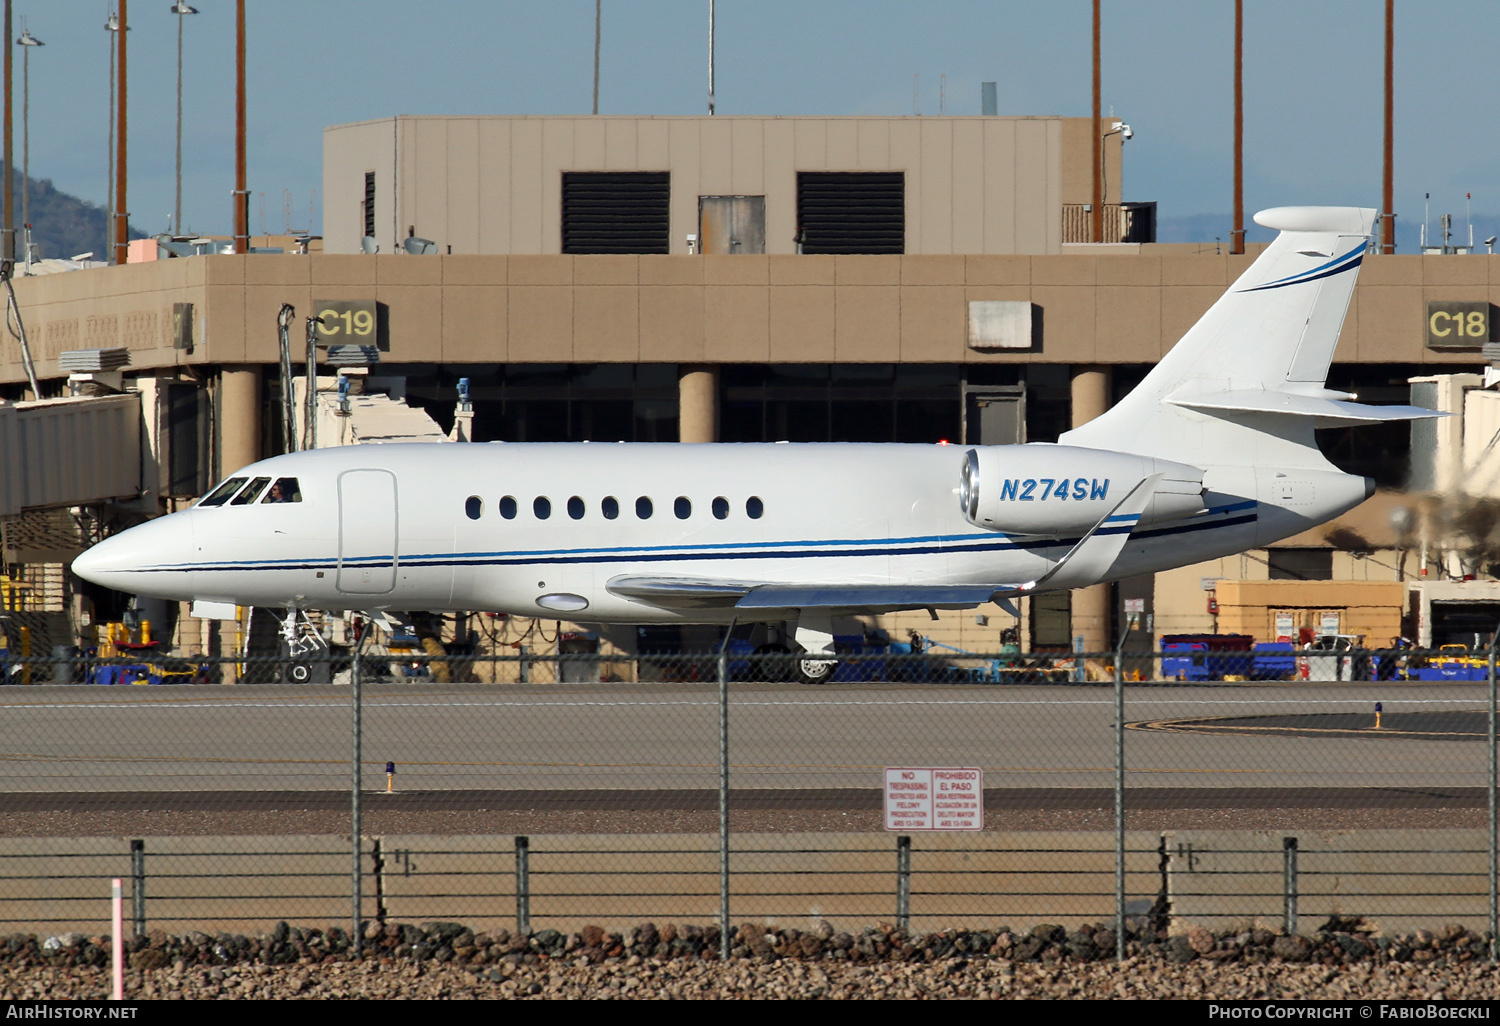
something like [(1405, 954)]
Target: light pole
[(111, 25), (179, 9), (27, 40)]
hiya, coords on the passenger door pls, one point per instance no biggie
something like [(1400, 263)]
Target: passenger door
[(367, 532)]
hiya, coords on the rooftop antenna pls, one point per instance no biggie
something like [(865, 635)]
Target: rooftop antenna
[(942, 94), (1426, 216), (1469, 216), (596, 55), (915, 109), (286, 210), (710, 57), (1388, 194), (1237, 231)]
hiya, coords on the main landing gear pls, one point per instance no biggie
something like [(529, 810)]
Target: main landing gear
[(815, 637)]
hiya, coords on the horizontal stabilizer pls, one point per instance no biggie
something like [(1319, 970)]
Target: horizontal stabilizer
[(1333, 412)]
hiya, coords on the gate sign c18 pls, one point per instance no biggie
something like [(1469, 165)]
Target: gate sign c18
[(1457, 325), (949, 798), (345, 322)]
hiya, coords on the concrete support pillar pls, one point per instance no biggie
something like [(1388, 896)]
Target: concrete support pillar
[(1090, 395), (697, 403), (240, 405)]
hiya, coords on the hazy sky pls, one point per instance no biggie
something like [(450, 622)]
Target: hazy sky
[(1313, 82)]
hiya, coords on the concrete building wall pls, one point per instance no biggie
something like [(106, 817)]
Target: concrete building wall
[(1101, 309), (493, 185), (1369, 608)]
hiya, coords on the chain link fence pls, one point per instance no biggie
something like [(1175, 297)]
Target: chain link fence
[(1279, 790)]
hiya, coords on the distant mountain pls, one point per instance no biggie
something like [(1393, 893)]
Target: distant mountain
[(63, 225)]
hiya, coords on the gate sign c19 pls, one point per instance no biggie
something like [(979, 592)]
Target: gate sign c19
[(950, 798), (345, 322), (1457, 325)]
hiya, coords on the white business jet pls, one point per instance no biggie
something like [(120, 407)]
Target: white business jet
[(1211, 455)]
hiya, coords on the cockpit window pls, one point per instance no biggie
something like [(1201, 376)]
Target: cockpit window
[(284, 490), (221, 494), (252, 492)]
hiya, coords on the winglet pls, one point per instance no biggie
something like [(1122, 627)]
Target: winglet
[(1089, 560)]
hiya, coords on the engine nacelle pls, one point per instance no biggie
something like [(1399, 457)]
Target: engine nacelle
[(1055, 490)]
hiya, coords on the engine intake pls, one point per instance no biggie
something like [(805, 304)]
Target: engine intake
[(1056, 490)]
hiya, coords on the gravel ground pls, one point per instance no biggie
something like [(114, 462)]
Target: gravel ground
[(635, 978), (109, 822)]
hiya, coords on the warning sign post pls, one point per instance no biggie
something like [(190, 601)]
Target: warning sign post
[(932, 798)]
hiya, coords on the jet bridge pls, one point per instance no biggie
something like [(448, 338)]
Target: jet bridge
[(69, 452)]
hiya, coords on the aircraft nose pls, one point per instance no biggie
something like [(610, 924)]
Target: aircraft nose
[(151, 559)]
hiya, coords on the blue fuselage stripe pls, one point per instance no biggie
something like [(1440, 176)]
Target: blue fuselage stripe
[(927, 545)]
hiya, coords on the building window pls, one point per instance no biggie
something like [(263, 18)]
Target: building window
[(615, 211), (851, 212), (544, 402), (1300, 564), (840, 402), (369, 205)]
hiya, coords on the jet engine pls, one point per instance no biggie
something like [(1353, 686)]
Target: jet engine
[(1055, 490)]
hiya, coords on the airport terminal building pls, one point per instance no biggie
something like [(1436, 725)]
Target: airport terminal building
[(745, 279)]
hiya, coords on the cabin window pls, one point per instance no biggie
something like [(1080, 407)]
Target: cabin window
[(542, 507), (508, 507), (610, 507), (721, 508), (221, 494), (252, 492), (643, 508), (284, 490), (683, 507), (575, 508), (473, 507), (754, 507)]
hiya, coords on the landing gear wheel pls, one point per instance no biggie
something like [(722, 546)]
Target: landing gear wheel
[(816, 671), (769, 664), (298, 673)]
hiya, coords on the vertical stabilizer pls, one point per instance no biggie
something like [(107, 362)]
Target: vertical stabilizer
[(1268, 340)]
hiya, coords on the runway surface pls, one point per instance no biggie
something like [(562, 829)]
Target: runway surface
[(646, 739)]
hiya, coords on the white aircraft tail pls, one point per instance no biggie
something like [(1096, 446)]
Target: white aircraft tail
[(1246, 385)]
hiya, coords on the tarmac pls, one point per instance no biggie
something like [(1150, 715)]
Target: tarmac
[(653, 738)]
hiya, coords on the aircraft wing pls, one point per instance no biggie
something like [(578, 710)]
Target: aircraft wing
[(1088, 561), (700, 593)]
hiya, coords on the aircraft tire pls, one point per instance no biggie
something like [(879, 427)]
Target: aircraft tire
[(816, 671), (770, 665), (298, 673)]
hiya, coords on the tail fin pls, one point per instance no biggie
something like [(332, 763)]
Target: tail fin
[(1246, 383)]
